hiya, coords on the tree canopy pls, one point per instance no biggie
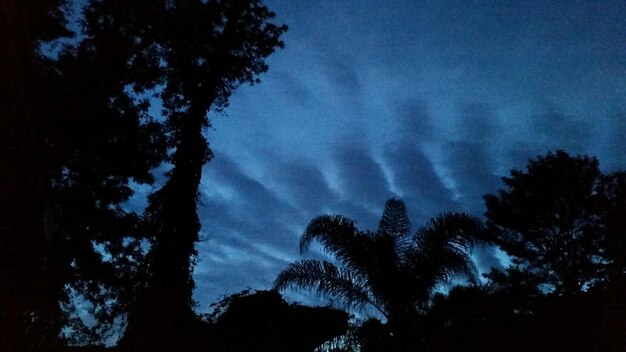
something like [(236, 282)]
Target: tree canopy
[(72, 139), (206, 50), (551, 219), (76, 131)]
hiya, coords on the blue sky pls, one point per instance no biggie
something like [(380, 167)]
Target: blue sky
[(429, 101)]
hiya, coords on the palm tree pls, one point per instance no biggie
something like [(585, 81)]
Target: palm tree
[(389, 269)]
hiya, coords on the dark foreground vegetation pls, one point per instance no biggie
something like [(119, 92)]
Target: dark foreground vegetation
[(76, 134), (561, 221)]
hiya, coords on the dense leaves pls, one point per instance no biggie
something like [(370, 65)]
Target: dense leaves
[(72, 140), (550, 219), (76, 132), (264, 321), (207, 49)]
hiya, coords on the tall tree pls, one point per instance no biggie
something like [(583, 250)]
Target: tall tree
[(390, 269), (73, 136), (549, 219), (207, 49)]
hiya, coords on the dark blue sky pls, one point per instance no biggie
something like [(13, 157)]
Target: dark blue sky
[(429, 101)]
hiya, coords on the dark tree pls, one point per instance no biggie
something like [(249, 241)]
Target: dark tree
[(75, 132), (263, 321), (207, 49), (548, 218), (561, 221), (106, 138), (613, 244), (72, 139), (390, 269), (23, 243)]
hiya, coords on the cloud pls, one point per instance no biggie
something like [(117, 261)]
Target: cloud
[(469, 167), (302, 183), (477, 123), (438, 99), (244, 271), (414, 122), (361, 178), (247, 231), (366, 217), (614, 142), (340, 70), (551, 128), (291, 89), (250, 232), (556, 129), (416, 181), (486, 258)]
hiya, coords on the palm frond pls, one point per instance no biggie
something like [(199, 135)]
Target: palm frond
[(457, 264), (328, 280), (394, 221), (330, 230), (382, 269), (387, 269), (441, 249), (449, 229), (339, 237)]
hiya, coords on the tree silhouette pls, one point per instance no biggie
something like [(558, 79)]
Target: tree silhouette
[(23, 245), (264, 321), (75, 131), (208, 49), (389, 269), (71, 141), (561, 221), (613, 243), (549, 219)]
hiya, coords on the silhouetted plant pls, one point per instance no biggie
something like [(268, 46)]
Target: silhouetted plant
[(390, 269), (75, 131), (561, 221), (72, 138), (613, 243), (549, 219), (264, 321), (207, 49)]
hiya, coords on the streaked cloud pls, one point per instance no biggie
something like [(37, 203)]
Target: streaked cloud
[(430, 101)]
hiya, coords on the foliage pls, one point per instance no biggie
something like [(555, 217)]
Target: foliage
[(263, 320), (72, 140), (613, 241), (204, 50), (388, 269), (550, 219), (76, 131)]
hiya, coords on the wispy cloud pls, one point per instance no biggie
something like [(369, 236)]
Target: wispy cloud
[(430, 101)]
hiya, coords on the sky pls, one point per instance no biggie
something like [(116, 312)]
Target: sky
[(427, 101)]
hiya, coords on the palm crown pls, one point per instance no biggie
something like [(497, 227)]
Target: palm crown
[(389, 269)]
